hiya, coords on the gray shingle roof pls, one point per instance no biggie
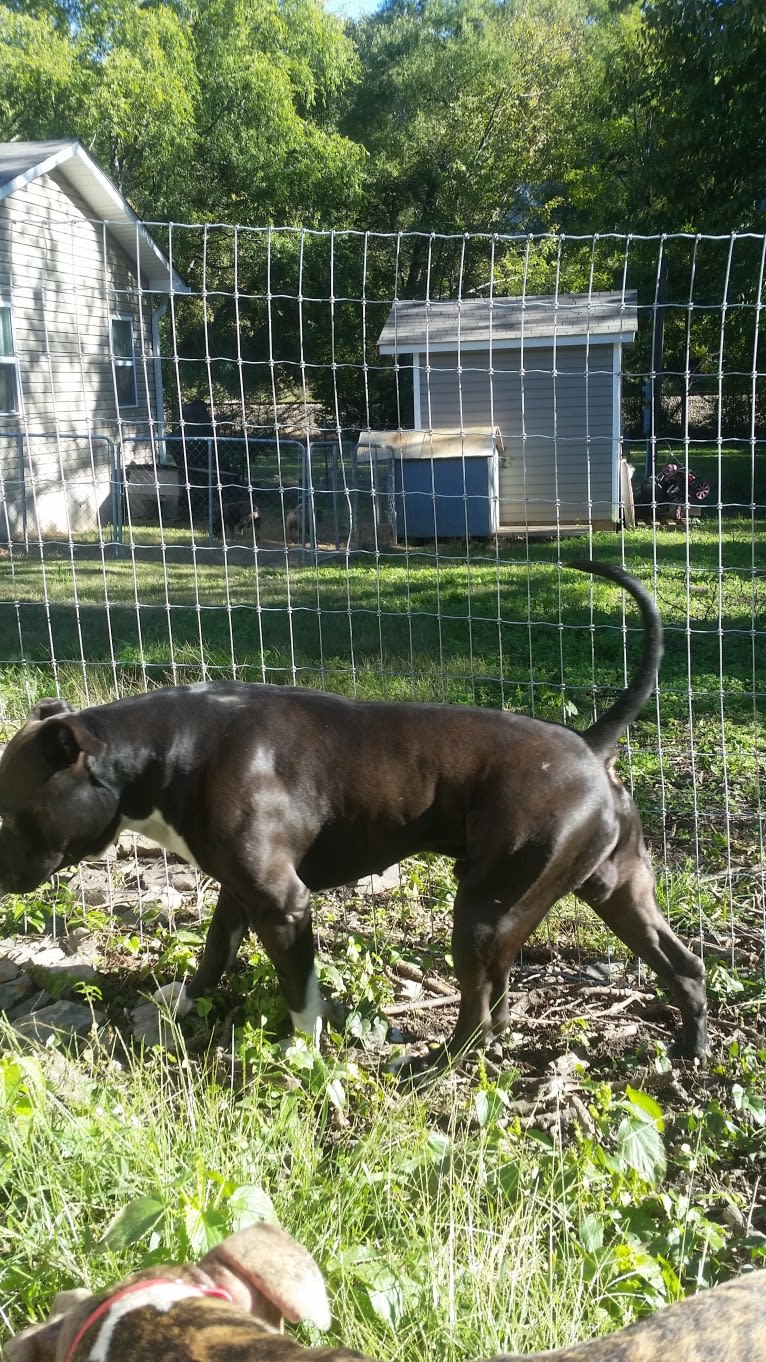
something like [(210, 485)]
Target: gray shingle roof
[(474, 321), (17, 159), (23, 162)]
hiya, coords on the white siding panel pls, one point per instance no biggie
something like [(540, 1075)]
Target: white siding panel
[(555, 413), (65, 278)]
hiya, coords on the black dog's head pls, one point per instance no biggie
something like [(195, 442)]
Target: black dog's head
[(53, 810)]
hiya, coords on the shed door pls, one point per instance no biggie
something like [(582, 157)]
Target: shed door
[(556, 426)]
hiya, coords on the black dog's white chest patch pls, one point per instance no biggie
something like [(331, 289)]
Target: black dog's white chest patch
[(158, 830)]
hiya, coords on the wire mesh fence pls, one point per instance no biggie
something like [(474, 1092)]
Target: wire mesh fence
[(361, 462)]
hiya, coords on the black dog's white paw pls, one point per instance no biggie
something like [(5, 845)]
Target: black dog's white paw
[(175, 998)]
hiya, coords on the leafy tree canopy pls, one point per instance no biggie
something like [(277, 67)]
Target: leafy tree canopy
[(207, 109)]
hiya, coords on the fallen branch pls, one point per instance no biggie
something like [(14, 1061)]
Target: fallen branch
[(613, 990), (422, 1005), (416, 976), (616, 1008)]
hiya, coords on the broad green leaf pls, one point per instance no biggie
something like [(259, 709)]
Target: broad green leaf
[(592, 1233), (133, 1223), (248, 1205), (641, 1147), (642, 1102)]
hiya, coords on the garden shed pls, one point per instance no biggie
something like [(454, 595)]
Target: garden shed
[(82, 288), (543, 372)]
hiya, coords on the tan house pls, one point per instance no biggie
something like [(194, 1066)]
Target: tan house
[(83, 286), (543, 376)]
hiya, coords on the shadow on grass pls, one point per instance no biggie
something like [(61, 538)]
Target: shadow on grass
[(512, 629)]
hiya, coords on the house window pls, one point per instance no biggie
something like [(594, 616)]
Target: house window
[(9, 374), (124, 361)]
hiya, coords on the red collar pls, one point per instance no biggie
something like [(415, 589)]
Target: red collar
[(106, 1305)]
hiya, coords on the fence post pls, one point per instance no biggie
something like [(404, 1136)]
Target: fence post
[(653, 408), (209, 492), (117, 492), (336, 458), (23, 494)]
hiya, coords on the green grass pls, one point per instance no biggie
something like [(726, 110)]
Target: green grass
[(483, 631), (442, 1236)]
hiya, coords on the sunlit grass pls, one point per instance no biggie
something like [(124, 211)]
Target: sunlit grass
[(444, 1233)]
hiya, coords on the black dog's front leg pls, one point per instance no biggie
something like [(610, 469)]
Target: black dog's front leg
[(283, 925), (225, 934), (289, 944)]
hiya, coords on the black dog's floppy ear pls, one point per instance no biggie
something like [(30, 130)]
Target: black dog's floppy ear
[(45, 709), (67, 742)]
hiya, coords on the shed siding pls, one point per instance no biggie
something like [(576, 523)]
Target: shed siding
[(555, 419), (65, 277)]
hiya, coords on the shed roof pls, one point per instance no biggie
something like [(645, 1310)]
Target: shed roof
[(474, 323), (444, 442), (23, 162)]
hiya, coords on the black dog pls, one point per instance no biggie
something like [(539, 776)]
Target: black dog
[(248, 526), (276, 792)]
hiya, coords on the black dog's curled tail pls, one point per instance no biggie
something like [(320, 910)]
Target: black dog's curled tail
[(602, 736)]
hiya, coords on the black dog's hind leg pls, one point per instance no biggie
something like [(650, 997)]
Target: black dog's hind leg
[(490, 927), (625, 900)]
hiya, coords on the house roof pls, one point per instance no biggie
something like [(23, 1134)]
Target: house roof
[(23, 162), (475, 323)]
